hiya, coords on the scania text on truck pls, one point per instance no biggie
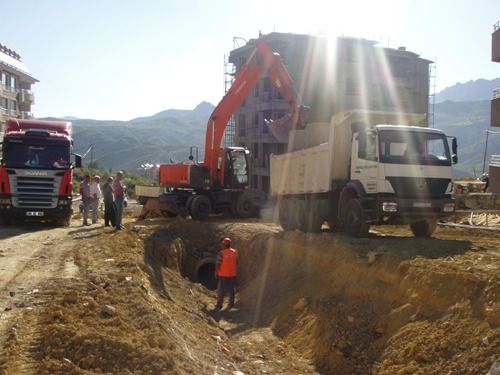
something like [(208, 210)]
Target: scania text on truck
[(36, 173), (361, 170)]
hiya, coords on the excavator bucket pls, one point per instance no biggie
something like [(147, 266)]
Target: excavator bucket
[(281, 127)]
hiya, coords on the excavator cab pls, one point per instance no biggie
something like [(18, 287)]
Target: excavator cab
[(236, 168)]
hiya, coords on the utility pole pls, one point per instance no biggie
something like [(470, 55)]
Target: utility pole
[(485, 150)]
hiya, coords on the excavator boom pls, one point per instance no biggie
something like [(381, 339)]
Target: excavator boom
[(263, 59)]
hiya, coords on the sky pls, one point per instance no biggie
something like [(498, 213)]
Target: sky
[(122, 59)]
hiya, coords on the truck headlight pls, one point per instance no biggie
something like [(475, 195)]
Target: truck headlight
[(63, 202), (389, 207), (449, 207)]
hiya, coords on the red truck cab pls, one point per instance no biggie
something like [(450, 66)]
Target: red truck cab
[(36, 172)]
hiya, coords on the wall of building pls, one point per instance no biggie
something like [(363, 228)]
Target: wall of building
[(346, 74), (16, 97)]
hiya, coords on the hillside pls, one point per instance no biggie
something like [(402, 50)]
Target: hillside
[(480, 89), (468, 121), (126, 145)]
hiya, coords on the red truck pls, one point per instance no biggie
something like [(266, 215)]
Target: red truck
[(36, 172)]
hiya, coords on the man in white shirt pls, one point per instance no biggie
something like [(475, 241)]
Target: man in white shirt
[(95, 195)]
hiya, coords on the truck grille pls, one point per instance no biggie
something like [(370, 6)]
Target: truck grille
[(35, 191), (414, 187)]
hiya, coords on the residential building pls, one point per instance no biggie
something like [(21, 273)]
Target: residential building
[(346, 74), (16, 97)]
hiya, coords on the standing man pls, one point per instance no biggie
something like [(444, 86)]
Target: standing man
[(119, 194), (109, 203), (85, 194), (95, 195), (226, 270)]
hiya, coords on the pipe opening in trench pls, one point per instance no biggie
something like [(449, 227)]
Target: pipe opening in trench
[(205, 274)]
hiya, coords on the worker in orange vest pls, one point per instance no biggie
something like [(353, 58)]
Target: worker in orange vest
[(226, 271)]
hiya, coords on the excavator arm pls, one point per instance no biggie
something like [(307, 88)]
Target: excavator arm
[(263, 59)]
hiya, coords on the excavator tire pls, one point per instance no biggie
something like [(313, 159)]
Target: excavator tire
[(245, 206), (200, 207)]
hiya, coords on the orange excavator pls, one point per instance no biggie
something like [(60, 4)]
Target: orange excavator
[(222, 181)]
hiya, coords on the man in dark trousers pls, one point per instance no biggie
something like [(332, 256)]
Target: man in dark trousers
[(86, 199), (109, 203), (226, 271)]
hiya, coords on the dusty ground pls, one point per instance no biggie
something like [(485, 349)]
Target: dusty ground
[(89, 300)]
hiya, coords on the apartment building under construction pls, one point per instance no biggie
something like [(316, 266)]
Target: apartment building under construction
[(331, 76), (16, 97)]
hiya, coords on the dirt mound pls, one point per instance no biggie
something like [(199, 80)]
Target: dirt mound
[(386, 304), (363, 306)]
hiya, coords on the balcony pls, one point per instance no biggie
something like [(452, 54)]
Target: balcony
[(25, 115), (495, 43), (26, 97)]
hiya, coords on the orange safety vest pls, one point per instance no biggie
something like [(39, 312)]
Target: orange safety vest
[(228, 266)]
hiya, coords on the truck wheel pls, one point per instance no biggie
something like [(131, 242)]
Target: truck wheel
[(423, 228), (355, 223), (285, 214), (200, 207), (64, 222), (245, 206), (300, 215), (314, 220)]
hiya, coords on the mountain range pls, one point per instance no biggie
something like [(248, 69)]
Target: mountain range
[(163, 137), (462, 110)]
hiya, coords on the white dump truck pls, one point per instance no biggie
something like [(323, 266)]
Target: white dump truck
[(363, 169)]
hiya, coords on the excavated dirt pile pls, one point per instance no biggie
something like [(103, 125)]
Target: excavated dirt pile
[(307, 303), (384, 305)]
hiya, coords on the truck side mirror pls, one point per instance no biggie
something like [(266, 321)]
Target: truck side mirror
[(454, 148), (78, 161)]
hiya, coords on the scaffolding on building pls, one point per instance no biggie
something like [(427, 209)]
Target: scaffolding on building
[(432, 95), (229, 74)]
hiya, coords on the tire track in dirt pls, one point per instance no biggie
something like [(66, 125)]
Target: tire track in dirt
[(31, 259)]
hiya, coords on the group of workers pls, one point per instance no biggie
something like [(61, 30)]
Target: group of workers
[(113, 194)]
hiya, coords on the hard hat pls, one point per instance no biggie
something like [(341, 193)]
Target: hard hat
[(226, 241)]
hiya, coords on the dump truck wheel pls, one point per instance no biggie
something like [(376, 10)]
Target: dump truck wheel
[(300, 215), (285, 214), (423, 228), (355, 223), (200, 207), (245, 205), (63, 222), (314, 220)]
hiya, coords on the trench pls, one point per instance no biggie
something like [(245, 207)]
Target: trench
[(352, 306)]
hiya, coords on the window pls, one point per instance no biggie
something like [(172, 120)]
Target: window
[(242, 126), (4, 103), (13, 105), (410, 147), (367, 146), (13, 82), (352, 87), (267, 85)]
